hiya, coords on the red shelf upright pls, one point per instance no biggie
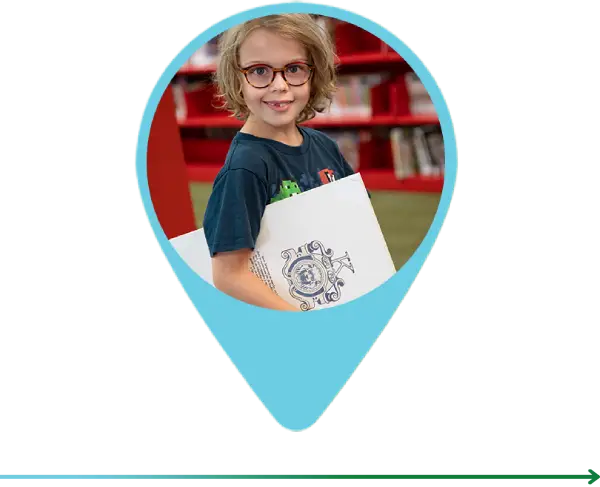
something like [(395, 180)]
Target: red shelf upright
[(166, 169), (350, 39)]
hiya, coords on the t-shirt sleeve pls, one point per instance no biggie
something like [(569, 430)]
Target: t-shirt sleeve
[(234, 211)]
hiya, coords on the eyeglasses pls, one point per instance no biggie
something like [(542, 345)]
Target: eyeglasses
[(262, 75)]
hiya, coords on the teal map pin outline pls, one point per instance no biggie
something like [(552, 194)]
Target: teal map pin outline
[(297, 363)]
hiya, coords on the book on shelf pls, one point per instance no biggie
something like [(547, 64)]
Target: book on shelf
[(419, 101), (194, 98), (348, 142), (417, 151), (353, 96), (180, 103), (402, 152), (206, 55)]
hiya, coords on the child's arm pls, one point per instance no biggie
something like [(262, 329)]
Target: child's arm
[(232, 224), (232, 275)]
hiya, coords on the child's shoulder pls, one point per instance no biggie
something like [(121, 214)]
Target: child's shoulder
[(321, 139), (245, 156), (318, 135)]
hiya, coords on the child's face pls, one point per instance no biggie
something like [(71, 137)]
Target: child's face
[(265, 47)]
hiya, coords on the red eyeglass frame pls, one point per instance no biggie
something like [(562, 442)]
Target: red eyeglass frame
[(278, 70)]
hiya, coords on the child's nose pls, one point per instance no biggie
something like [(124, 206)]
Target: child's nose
[(279, 81)]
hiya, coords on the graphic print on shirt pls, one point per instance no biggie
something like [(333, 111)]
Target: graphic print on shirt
[(327, 176), (312, 274), (289, 188), (286, 190), (308, 181)]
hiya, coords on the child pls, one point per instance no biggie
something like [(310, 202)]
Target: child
[(274, 73)]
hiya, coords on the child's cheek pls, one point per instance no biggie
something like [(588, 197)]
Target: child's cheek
[(303, 95), (252, 99)]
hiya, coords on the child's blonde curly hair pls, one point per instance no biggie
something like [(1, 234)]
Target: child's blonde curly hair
[(301, 27)]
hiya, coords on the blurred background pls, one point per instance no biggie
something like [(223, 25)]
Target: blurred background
[(382, 119)]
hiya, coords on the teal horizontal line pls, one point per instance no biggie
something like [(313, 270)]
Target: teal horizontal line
[(591, 475)]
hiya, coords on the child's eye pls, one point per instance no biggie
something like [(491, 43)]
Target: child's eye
[(293, 69), (259, 70)]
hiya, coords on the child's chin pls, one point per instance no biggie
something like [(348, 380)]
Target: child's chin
[(281, 121)]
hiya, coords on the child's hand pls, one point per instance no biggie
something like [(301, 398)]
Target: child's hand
[(232, 275)]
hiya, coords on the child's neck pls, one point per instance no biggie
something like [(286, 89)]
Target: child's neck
[(289, 135)]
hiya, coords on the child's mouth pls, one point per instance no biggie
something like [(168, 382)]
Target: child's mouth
[(278, 106)]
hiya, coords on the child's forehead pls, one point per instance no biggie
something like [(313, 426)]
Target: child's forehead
[(265, 46)]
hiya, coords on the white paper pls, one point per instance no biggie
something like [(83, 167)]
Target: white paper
[(317, 249)]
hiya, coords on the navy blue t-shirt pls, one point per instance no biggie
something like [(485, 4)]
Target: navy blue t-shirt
[(259, 171)]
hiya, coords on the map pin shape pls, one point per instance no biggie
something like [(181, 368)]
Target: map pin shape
[(296, 363)]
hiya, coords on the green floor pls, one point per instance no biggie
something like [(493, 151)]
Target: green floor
[(404, 217)]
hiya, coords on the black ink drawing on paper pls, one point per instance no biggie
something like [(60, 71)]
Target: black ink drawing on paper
[(312, 274)]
